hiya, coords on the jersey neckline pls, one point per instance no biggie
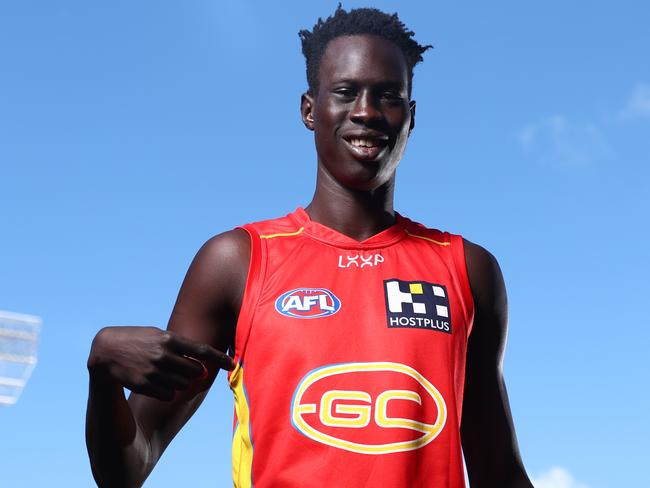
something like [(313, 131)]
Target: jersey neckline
[(320, 232)]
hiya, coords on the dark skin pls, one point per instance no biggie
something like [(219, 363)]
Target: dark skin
[(125, 439), (363, 94)]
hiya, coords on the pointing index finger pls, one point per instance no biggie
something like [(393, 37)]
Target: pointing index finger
[(201, 352)]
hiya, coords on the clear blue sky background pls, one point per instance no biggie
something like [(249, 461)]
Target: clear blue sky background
[(131, 132)]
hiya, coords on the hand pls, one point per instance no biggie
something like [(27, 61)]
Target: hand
[(154, 362)]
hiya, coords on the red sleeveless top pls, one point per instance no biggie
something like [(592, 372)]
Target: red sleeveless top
[(350, 358)]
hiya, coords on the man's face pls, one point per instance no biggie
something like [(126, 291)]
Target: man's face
[(361, 114)]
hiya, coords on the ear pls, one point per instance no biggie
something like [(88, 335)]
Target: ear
[(306, 110), (412, 109)]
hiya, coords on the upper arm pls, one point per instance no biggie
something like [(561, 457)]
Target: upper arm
[(488, 435), (206, 312), (488, 338), (210, 297)]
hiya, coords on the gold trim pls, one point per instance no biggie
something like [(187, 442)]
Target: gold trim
[(288, 234), (428, 239)]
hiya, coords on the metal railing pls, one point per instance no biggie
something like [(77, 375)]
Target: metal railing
[(19, 335)]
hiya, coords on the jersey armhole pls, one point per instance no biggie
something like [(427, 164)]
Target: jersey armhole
[(458, 254), (252, 291)]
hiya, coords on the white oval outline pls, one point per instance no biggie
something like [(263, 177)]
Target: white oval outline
[(319, 373), (326, 314)]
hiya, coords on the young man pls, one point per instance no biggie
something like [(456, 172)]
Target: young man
[(359, 339)]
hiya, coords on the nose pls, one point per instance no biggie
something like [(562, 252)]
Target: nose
[(365, 108)]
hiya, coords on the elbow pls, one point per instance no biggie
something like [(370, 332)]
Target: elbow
[(511, 476), (122, 468)]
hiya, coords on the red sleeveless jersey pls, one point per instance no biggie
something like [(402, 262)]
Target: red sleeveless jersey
[(350, 358)]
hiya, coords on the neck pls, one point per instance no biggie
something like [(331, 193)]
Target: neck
[(358, 214)]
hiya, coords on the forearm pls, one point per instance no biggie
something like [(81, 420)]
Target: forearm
[(488, 436), (512, 477), (518, 478), (120, 454)]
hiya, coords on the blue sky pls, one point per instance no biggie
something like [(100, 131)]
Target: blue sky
[(131, 132)]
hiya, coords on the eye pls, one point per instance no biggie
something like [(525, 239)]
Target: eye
[(392, 96), (345, 92)]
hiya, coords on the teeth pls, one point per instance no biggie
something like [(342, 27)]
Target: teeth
[(363, 142)]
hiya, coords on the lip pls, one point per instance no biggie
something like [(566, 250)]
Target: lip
[(364, 134), (366, 153)]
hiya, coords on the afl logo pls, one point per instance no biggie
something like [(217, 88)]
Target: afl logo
[(308, 303), (368, 408)]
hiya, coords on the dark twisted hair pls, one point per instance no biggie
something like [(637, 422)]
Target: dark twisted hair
[(357, 22)]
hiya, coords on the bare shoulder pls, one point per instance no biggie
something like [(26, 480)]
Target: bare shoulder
[(214, 285), (222, 260), (226, 251), (485, 277)]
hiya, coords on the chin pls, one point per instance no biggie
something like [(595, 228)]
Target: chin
[(367, 182), (358, 175)]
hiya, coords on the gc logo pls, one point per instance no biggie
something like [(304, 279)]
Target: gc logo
[(368, 419)]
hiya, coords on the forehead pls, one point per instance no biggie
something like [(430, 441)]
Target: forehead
[(363, 58)]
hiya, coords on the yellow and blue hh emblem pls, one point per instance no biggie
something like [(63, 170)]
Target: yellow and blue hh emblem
[(417, 305)]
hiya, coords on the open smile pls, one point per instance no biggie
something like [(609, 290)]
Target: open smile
[(366, 148)]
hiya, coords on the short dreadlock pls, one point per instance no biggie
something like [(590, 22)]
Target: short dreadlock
[(355, 22)]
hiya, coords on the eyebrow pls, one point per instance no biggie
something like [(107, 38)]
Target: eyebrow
[(381, 84)]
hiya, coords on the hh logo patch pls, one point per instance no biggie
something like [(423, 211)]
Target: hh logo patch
[(417, 305)]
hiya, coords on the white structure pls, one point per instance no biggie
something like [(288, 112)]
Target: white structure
[(19, 335)]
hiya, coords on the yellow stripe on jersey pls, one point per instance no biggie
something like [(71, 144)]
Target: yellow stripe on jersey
[(440, 243), (288, 234), (242, 444)]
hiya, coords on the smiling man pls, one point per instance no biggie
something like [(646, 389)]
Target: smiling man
[(365, 349)]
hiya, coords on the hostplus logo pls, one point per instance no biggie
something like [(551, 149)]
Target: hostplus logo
[(417, 305)]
